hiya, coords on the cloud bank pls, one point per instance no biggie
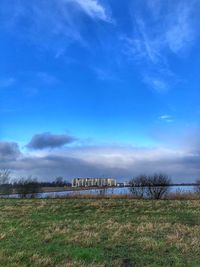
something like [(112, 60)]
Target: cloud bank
[(122, 162)]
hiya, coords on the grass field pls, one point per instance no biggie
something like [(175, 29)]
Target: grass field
[(101, 232)]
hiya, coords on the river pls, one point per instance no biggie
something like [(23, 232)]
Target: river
[(107, 192)]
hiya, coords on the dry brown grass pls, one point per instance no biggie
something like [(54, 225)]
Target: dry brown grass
[(184, 196)]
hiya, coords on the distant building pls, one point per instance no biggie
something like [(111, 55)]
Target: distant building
[(120, 184), (96, 182)]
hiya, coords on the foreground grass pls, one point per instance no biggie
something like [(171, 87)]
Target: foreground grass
[(89, 232)]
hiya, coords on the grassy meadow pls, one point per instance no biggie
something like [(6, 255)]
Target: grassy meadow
[(99, 232)]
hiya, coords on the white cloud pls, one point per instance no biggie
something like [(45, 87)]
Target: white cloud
[(166, 118), (173, 31), (7, 82), (156, 82), (92, 8), (168, 29), (51, 24), (144, 44), (180, 32), (46, 78)]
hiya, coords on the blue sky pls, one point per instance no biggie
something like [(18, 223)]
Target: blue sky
[(109, 88)]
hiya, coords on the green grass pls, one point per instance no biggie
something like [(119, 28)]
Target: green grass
[(99, 232)]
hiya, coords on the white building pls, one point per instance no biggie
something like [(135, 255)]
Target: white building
[(91, 182)]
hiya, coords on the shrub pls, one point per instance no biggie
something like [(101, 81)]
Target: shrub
[(154, 187), (158, 186), (138, 186)]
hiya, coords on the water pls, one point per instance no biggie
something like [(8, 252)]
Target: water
[(107, 192)]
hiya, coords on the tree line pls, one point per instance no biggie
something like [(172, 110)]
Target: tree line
[(26, 186), (156, 186)]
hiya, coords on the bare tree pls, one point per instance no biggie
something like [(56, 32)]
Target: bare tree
[(155, 186), (27, 187), (138, 186), (4, 176), (158, 186), (197, 187), (59, 181), (5, 186)]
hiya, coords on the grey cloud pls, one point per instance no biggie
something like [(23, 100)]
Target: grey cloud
[(48, 140), (50, 166), (9, 151)]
